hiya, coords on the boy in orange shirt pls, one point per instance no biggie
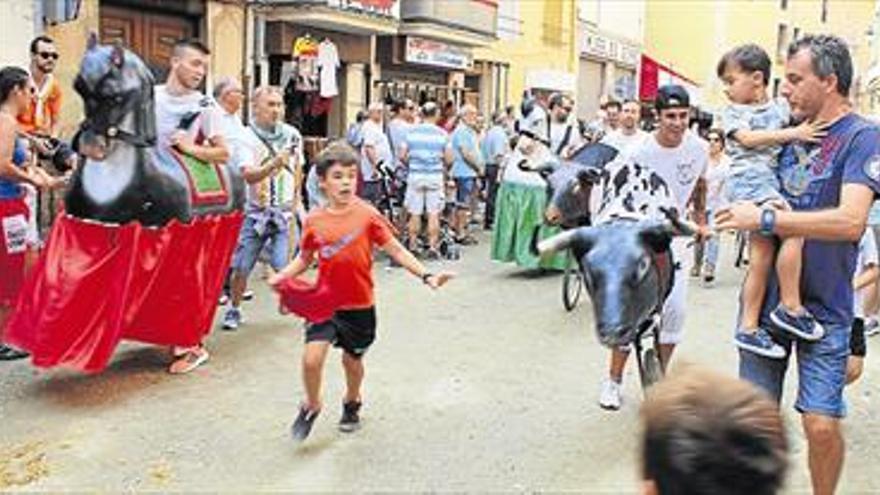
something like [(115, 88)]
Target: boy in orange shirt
[(342, 234)]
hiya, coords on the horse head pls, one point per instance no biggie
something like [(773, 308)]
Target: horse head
[(117, 92)]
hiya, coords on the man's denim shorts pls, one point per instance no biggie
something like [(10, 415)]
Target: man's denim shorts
[(821, 370), (464, 191), (250, 243), (756, 184)]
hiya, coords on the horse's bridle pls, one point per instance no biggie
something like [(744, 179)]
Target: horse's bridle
[(120, 104)]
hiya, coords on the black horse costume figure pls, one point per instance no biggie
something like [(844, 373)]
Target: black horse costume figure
[(144, 243)]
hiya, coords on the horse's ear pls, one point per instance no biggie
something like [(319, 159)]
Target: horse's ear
[(92, 41), (118, 55)]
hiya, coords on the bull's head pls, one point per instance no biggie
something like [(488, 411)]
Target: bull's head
[(628, 270)]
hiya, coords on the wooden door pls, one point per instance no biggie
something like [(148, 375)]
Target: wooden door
[(150, 35)]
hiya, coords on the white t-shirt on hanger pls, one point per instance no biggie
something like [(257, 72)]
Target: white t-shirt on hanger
[(328, 62)]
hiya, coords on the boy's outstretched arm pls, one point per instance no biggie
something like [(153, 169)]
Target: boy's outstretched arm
[(406, 259), (809, 132)]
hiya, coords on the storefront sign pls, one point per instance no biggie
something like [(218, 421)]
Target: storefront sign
[(597, 45), (384, 8), (437, 53)]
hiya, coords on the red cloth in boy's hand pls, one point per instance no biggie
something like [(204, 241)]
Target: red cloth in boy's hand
[(314, 302)]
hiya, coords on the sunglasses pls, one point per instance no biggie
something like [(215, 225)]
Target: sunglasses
[(48, 55)]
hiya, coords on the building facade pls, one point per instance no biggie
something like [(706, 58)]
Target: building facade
[(685, 39), (536, 46), (609, 40)]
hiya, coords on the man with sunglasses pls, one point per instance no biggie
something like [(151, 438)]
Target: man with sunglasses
[(564, 135), (43, 112)]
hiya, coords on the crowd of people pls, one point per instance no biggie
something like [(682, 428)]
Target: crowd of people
[(799, 174)]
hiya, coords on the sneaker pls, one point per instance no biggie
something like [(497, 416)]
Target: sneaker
[(9, 353), (248, 295), (303, 424), (803, 326), (709, 281), (759, 342), (432, 255), (872, 327), (193, 358), (609, 396), (232, 319), (351, 420)]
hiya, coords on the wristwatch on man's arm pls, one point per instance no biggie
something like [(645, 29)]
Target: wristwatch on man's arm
[(768, 222)]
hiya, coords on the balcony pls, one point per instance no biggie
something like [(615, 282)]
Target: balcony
[(466, 22)]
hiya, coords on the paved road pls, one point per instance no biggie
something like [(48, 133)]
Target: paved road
[(486, 385)]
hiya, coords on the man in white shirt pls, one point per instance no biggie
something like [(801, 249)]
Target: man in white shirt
[(565, 137), (628, 134), (375, 152), (680, 159), (188, 120)]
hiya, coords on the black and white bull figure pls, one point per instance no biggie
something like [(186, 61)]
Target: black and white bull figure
[(626, 258), (124, 183)]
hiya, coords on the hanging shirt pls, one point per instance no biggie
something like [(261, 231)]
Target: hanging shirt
[(328, 62), (305, 51)]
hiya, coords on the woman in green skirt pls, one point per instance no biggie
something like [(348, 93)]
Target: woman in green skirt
[(519, 210)]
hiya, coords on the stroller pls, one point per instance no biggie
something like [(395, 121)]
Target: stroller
[(393, 184)]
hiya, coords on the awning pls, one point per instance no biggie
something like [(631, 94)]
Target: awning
[(654, 74)]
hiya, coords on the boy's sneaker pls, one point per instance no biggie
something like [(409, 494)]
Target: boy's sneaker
[(232, 319), (803, 325), (609, 396), (759, 342), (303, 424), (351, 419), (247, 295), (872, 327)]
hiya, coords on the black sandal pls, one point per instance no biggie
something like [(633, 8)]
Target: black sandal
[(11, 354)]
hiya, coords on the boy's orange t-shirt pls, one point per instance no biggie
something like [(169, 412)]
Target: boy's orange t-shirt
[(343, 242)]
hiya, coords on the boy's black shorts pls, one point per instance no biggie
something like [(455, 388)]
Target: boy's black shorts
[(351, 330), (857, 345)]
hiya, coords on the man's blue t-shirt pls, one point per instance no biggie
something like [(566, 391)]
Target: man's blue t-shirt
[(464, 137), (812, 177)]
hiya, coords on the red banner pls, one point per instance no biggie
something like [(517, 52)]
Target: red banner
[(95, 285)]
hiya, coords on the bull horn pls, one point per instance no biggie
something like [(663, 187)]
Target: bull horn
[(565, 240)]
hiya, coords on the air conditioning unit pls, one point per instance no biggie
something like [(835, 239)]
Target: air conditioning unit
[(57, 11)]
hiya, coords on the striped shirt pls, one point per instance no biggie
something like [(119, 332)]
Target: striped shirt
[(426, 144)]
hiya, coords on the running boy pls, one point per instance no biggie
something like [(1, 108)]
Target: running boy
[(342, 235), (755, 128)]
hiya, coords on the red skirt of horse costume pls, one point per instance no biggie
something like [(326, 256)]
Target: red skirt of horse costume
[(96, 284)]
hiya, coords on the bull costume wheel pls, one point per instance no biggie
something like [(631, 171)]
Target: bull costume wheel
[(572, 283)]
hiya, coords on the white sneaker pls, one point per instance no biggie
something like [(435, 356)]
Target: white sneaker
[(872, 327), (609, 397)]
